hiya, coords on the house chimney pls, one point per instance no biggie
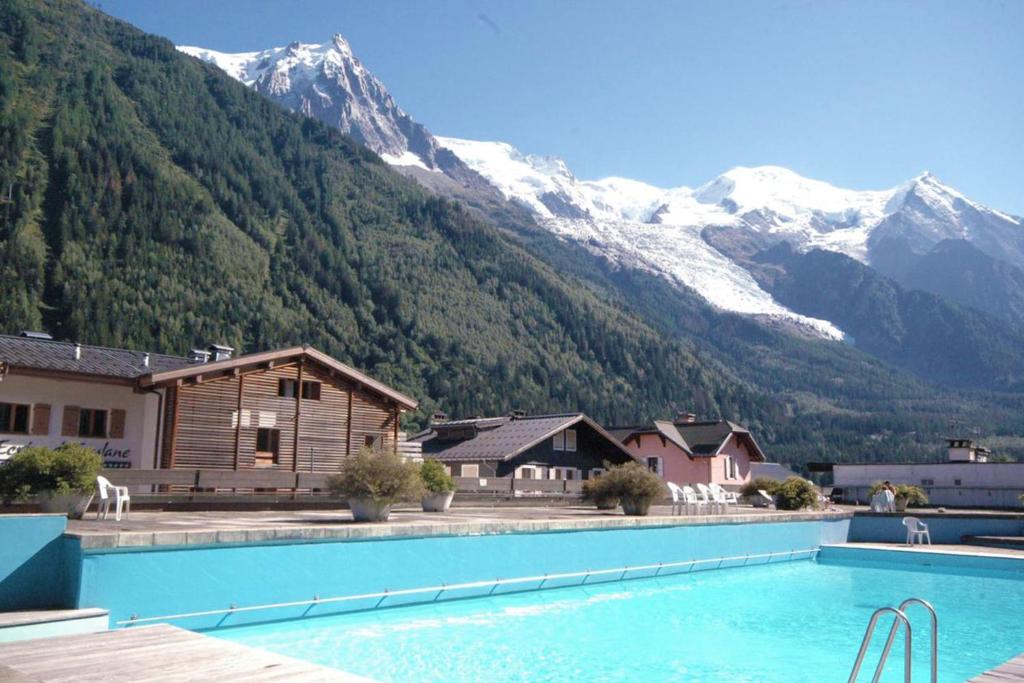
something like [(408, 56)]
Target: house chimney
[(78, 351), (438, 417), (688, 418), (517, 414), (145, 360), (219, 352), (198, 356)]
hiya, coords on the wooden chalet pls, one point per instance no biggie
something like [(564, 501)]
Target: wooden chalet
[(292, 409), (555, 447)]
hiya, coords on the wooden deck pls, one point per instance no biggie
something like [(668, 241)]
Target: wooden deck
[(1012, 670), (153, 653)]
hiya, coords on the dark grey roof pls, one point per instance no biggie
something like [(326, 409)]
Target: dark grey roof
[(497, 438), (59, 356)]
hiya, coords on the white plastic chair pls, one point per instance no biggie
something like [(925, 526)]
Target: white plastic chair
[(122, 501), (678, 497), (714, 503), (693, 501), (917, 531), (769, 501), (727, 497)]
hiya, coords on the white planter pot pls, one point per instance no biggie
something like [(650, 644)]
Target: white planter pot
[(437, 502), (73, 505), (369, 510)]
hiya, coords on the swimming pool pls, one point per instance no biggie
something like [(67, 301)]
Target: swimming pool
[(797, 621)]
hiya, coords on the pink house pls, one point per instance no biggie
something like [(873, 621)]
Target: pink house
[(690, 452)]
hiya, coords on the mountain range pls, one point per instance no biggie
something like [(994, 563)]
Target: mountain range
[(150, 201), (921, 235)]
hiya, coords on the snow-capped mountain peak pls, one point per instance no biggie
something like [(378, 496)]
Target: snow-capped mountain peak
[(328, 82)]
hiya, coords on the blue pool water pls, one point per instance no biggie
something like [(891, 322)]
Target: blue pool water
[(798, 621)]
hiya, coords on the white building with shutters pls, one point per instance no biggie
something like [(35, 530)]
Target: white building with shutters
[(111, 418)]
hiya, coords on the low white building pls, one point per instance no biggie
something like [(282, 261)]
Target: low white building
[(966, 479), (55, 392)]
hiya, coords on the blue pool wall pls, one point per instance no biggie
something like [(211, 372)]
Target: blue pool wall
[(35, 570), (157, 582), (955, 563), (944, 528)]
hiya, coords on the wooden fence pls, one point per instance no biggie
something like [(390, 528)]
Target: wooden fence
[(189, 481)]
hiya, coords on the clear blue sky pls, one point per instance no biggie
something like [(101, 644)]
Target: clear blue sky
[(860, 94)]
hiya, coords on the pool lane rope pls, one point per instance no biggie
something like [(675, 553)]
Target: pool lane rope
[(494, 584)]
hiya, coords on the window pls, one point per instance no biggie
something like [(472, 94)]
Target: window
[(526, 472), (564, 440), (956, 482), (92, 423), (731, 467), (310, 390), (654, 465), (596, 472), (927, 482), (286, 388), (268, 443), (13, 418), (470, 471), (371, 441)]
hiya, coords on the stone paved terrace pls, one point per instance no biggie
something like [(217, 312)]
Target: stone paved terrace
[(209, 527)]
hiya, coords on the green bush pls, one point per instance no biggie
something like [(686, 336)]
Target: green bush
[(598, 491), (633, 484), (435, 479), (70, 468), (796, 493), (383, 477), (914, 495), (769, 486)]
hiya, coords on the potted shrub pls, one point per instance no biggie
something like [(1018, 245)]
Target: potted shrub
[(372, 482), (796, 493), (597, 491), (908, 494), (635, 485), (62, 479), (439, 487), (750, 490)]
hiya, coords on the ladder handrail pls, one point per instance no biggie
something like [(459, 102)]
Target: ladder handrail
[(935, 637), (866, 641)]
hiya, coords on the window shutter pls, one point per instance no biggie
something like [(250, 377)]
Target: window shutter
[(117, 423), (69, 425), (41, 419)]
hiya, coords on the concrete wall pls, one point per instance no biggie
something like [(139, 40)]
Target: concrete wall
[(944, 527), (135, 450), (33, 564), (676, 466), (738, 452)]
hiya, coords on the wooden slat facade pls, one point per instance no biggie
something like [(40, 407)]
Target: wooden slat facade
[(213, 423)]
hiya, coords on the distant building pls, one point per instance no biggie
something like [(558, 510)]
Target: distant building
[(688, 451), (965, 479), (288, 409), (569, 446)]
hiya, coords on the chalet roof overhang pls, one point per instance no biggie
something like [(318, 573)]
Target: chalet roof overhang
[(270, 359)]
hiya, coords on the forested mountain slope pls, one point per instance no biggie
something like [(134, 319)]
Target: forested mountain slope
[(147, 200)]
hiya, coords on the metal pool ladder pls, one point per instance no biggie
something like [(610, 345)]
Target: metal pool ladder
[(899, 615)]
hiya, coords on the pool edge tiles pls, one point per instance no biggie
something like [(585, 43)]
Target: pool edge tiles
[(159, 582), (959, 560)]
